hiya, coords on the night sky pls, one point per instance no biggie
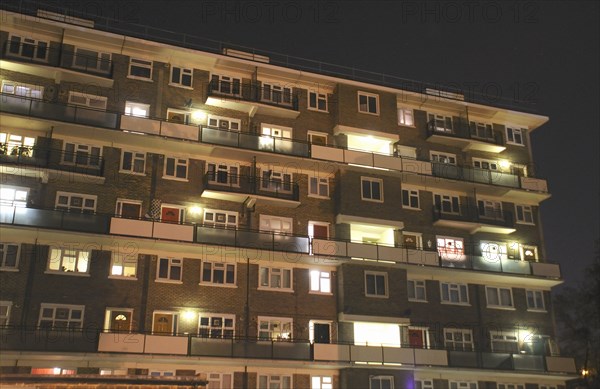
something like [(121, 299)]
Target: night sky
[(545, 52)]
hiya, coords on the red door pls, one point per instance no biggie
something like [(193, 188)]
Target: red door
[(320, 231), (170, 215), (416, 338)]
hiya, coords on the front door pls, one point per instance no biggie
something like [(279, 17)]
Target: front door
[(320, 231), (130, 210), (163, 323), (120, 321), (170, 215), (321, 332), (415, 338)]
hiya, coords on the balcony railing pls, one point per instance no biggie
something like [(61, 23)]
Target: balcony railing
[(233, 183), (472, 174), (39, 157), (254, 92), (463, 130), (476, 215), (54, 219)]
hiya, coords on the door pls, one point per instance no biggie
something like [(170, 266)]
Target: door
[(170, 215), (131, 210), (321, 332), (320, 231), (163, 323), (415, 338), (120, 321)]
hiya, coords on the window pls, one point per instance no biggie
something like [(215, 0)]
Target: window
[(515, 136), (274, 382), (282, 225), (463, 385), (450, 248), (220, 218), (118, 319), (276, 131), (376, 284), (123, 266), (524, 214), (28, 48), (180, 116), (137, 109), (528, 253), (416, 290), (219, 173), (317, 138), (493, 251), (69, 260), (458, 339), (371, 189), (406, 117), (276, 94), (381, 382), (498, 297), (504, 341), (181, 76), (86, 100), (490, 209), (140, 68), (274, 328), (318, 187), (226, 85), (219, 380), (217, 273), (82, 155), (320, 281), (482, 130), (440, 157), (52, 371), (368, 103), (5, 308), (547, 387), (454, 293), (76, 202), (317, 101), (276, 181), (425, 384), (133, 162), (410, 198), (176, 168), (130, 209), (91, 60), (9, 256), (169, 269), (446, 203), (21, 89), (511, 386), (61, 316), (535, 300), (486, 164), (216, 326), (275, 278), (164, 322), (321, 382), (19, 145), (13, 196), (440, 123)]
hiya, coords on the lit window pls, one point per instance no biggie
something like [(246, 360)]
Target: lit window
[(181, 76), (317, 101), (524, 214), (486, 164), (140, 68), (137, 109), (320, 281), (450, 248), (275, 278), (86, 100), (535, 300), (217, 273), (274, 328), (504, 341), (318, 187), (321, 382), (410, 198), (69, 260), (426, 384), (133, 162), (376, 284), (123, 265), (52, 371), (16, 145), (454, 293), (224, 123), (463, 385), (276, 181), (13, 196), (405, 117), (371, 189), (169, 269), (458, 339), (28, 48), (276, 131), (216, 326), (515, 135), (317, 138), (75, 202), (21, 89), (381, 382), (281, 225), (274, 382), (498, 297), (528, 253), (61, 316), (417, 290), (219, 380), (368, 103), (176, 168)]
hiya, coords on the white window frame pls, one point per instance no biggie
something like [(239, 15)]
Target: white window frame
[(266, 223), (492, 209), (448, 122), (274, 381), (220, 169), (377, 381), (368, 96), (311, 135), (88, 100), (70, 319), (184, 75), (268, 276), (371, 181), (119, 206), (510, 386), (441, 157), (214, 326), (82, 150), (452, 343), (5, 318), (447, 199), (411, 194), (223, 380), (278, 94), (123, 261), (135, 156), (177, 163), (486, 164), (418, 240), (477, 127), (406, 117), (498, 294), (232, 80), (461, 291), (321, 382), (211, 217), (22, 89), (16, 144), (524, 210), (535, 300), (140, 64), (281, 334), (4, 253), (376, 277), (180, 116), (512, 132), (277, 181), (425, 384), (320, 282), (101, 58), (223, 267), (316, 185), (509, 337), (276, 131), (13, 196), (319, 98), (171, 264), (413, 286), (61, 255), (175, 321), (140, 110), (28, 41), (462, 385), (68, 207)]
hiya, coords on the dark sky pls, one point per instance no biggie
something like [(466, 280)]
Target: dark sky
[(543, 51)]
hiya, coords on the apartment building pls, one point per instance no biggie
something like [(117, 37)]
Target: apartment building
[(180, 214)]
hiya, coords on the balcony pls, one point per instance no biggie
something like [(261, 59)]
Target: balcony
[(160, 127), (512, 362), (252, 99), (464, 137), (151, 229), (54, 219), (231, 187), (475, 220), (55, 340)]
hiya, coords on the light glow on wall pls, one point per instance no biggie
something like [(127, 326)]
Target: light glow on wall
[(370, 143), (376, 334), (363, 233)]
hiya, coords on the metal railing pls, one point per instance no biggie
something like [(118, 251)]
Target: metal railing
[(464, 130), (471, 214), (280, 189), (254, 92)]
